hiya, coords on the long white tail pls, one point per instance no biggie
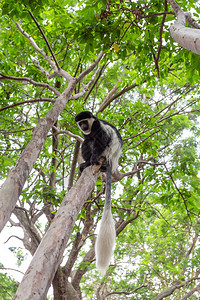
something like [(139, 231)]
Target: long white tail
[(105, 242)]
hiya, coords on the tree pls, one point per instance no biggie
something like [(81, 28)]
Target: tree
[(8, 286), (116, 58)]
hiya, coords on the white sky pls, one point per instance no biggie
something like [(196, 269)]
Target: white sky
[(7, 258)]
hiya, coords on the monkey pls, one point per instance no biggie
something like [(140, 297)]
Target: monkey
[(101, 141)]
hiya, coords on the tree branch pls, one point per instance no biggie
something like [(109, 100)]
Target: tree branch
[(188, 38), (57, 71), (84, 88), (2, 268), (73, 166), (46, 41), (95, 82), (108, 99), (191, 292), (54, 242), (45, 85), (160, 38), (180, 193), (28, 101), (90, 68), (126, 292), (176, 285), (77, 137), (35, 46)]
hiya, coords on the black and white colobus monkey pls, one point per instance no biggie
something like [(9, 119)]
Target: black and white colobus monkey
[(101, 140)]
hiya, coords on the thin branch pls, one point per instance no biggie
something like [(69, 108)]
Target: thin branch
[(127, 293), (35, 46), (2, 268), (77, 137), (95, 82), (108, 99), (73, 166), (149, 163), (126, 89), (46, 73), (28, 101), (90, 68), (77, 68), (140, 133), (193, 245), (160, 38), (84, 87), (178, 190), (46, 41), (170, 290), (15, 236), (159, 213), (158, 14), (45, 85), (125, 223), (145, 139), (16, 131), (57, 71), (191, 292)]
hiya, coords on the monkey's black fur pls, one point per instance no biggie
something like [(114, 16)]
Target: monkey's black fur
[(101, 140), (96, 141)]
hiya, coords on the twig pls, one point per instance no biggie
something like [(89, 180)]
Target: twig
[(192, 291), (90, 68), (160, 39), (46, 41), (77, 137), (108, 99), (45, 85), (84, 88), (35, 46), (95, 82), (172, 179), (73, 165), (126, 292), (2, 268), (28, 101), (17, 237), (144, 139)]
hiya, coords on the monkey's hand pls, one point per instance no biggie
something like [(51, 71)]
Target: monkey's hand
[(84, 165), (94, 160)]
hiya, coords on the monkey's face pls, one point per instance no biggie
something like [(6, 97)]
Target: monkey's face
[(86, 125)]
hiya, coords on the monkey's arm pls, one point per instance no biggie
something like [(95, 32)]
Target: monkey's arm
[(101, 142)]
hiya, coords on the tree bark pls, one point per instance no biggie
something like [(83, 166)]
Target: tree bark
[(12, 187), (191, 292), (188, 38), (48, 256), (73, 167)]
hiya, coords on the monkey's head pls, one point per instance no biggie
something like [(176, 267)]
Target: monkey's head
[(85, 120)]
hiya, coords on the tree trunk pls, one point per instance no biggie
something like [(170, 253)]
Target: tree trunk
[(12, 187), (42, 269)]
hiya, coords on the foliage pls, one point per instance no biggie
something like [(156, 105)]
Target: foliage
[(8, 286), (19, 254), (156, 108)]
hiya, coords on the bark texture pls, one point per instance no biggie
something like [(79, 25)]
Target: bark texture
[(188, 38), (12, 187), (48, 256)]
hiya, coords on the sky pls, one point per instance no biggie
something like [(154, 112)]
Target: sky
[(8, 258)]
